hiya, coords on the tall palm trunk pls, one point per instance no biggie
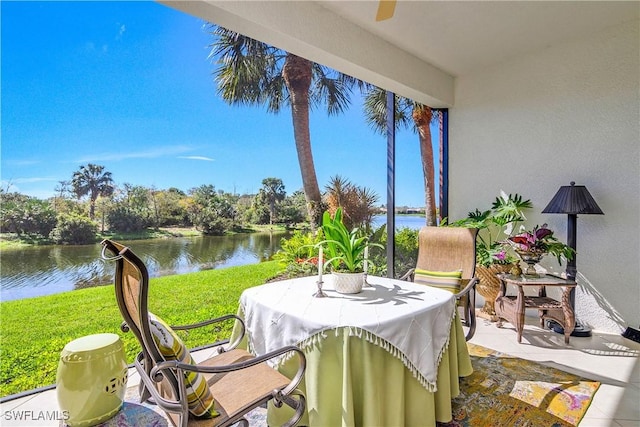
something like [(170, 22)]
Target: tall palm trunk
[(92, 204), (422, 118), (297, 76)]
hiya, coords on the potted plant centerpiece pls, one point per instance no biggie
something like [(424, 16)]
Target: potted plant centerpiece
[(532, 245), (346, 252), (494, 226)]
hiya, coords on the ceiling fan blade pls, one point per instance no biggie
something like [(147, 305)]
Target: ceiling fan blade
[(385, 9)]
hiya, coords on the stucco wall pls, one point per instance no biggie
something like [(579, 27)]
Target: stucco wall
[(536, 122)]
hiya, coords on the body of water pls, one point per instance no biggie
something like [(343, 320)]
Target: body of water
[(43, 270), (413, 222)]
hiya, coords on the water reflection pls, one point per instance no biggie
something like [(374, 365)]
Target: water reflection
[(37, 271), (44, 270)]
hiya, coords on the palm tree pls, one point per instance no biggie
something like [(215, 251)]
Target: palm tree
[(272, 191), (93, 181), (252, 73), (421, 117), (357, 203)]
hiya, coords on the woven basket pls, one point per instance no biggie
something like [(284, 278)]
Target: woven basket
[(489, 284)]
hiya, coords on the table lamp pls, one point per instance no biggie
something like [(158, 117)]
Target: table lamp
[(573, 200)]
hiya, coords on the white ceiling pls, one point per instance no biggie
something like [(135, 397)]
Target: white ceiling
[(462, 36), (459, 37), (425, 46)]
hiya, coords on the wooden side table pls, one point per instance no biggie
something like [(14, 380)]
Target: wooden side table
[(512, 307)]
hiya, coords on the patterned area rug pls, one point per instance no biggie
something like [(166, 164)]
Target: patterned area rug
[(502, 391), (508, 391), (133, 414), (136, 414)]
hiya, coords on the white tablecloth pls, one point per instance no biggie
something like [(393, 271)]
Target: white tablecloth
[(410, 321)]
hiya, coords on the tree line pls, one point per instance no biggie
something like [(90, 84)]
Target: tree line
[(92, 203)]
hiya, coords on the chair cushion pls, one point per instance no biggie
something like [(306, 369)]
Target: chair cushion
[(201, 403), (447, 280)]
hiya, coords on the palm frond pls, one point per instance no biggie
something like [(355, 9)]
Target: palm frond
[(248, 70), (375, 110), (331, 88)]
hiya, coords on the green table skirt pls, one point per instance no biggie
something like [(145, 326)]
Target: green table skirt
[(351, 382)]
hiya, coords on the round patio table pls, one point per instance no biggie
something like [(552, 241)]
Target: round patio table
[(390, 355)]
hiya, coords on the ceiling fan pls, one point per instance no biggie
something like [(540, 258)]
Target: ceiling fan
[(385, 9)]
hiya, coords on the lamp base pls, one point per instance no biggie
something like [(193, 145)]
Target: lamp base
[(632, 334), (579, 331)]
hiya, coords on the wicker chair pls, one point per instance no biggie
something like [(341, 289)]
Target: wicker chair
[(237, 381), (449, 249)]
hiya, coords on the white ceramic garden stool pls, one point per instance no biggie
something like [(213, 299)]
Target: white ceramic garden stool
[(91, 379)]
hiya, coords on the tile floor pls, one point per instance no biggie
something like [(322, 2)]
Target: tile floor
[(610, 359)]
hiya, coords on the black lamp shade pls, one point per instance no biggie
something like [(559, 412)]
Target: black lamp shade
[(573, 199)]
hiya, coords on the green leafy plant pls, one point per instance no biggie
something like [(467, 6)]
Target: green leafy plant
[(344, 248), (299, 254), (494, 226)]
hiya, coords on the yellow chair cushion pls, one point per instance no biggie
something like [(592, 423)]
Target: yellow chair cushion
[(447, 280), (201, 403)]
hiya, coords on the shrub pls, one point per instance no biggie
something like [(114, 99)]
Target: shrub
[(74, 230), (211, 212), (214, 225), (406, 252), (298, 254), (257, 214), (26, 215), (123, 219), (293, 209)]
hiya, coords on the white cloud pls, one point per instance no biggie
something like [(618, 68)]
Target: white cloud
[(208, 159), (121, 29), (152, 153)]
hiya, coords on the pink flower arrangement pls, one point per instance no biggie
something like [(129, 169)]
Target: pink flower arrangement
[(536, 240), (541, 241)]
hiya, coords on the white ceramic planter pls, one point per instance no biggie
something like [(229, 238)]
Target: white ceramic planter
[(348, 283)]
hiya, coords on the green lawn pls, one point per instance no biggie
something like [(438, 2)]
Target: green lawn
[(33, 331)]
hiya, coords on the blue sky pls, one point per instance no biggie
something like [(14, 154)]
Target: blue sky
[(128, 85)]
